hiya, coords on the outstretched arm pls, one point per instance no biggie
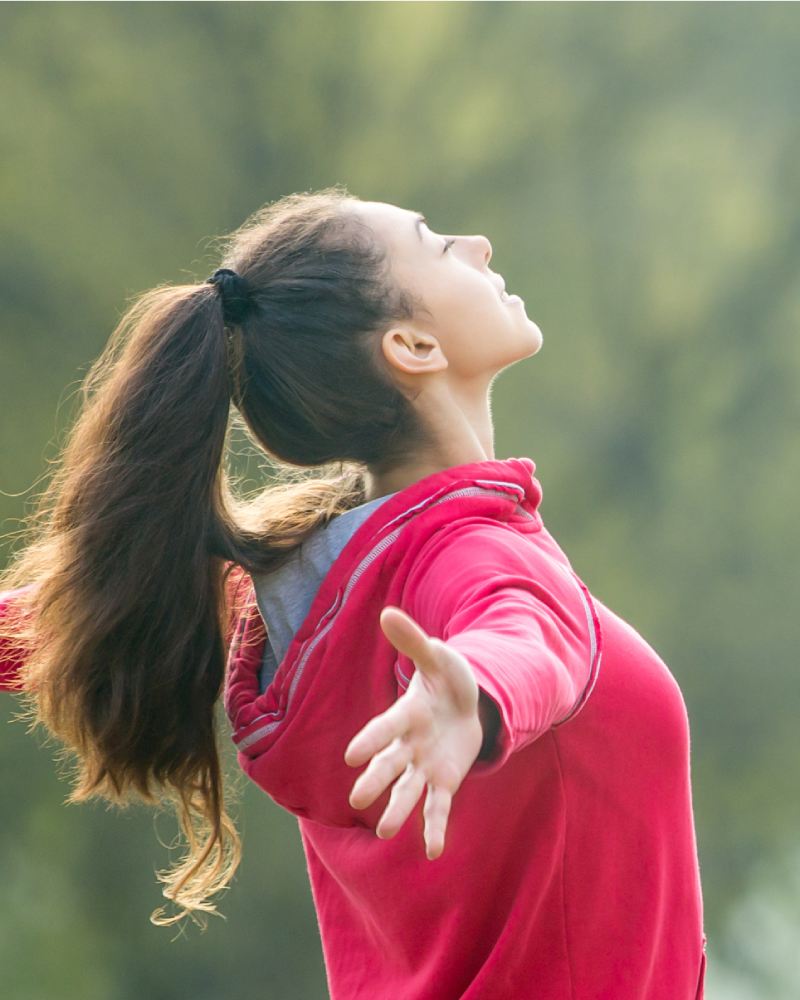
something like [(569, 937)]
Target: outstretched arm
[(516, 657), (521, 618)]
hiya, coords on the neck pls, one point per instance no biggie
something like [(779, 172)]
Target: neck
[(460, 421), (463, 432)]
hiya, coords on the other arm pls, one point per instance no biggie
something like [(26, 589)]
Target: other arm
[(10, 655)]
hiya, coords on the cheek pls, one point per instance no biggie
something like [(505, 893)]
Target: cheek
[(479, 308), (476, 335)]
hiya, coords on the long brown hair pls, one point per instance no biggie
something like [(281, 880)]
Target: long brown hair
[(128, 597)]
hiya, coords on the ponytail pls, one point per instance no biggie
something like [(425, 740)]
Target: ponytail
[(127, 661), (126, 588)]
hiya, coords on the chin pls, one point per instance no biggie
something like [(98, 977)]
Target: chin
[(534, 336)]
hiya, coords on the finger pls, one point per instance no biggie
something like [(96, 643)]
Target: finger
[(383, 769), (436, 812), (405, 795), (378, 733), (410, 638)]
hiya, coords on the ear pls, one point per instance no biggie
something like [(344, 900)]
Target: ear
[(413, 351)]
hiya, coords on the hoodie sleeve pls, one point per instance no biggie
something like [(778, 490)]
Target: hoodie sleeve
[(10, 660), (521, 618), (238, 591)]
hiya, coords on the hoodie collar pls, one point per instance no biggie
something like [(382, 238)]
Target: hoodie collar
[(513, 472)]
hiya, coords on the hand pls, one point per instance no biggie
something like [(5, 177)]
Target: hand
[(430, 736)]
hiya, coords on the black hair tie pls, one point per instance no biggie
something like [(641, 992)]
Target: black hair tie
[(235, 294)]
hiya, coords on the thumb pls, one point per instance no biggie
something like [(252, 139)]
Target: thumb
[(410, 638)]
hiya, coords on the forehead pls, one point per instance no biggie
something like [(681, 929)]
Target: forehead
[(392, 222)]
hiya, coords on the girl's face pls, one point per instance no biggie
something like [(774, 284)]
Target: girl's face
[(474, 330)]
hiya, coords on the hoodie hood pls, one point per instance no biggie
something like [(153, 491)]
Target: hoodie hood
[(309, 664)]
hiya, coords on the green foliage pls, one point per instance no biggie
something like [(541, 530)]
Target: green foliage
[(635, 167)]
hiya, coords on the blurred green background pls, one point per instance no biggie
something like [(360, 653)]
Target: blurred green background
[(637, 169)]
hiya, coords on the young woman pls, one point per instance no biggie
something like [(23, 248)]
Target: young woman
[(413, 667)]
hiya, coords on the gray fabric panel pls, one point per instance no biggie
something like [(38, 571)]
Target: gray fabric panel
[(284, 597)]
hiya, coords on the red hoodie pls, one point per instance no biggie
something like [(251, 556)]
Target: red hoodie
[(570, 867)]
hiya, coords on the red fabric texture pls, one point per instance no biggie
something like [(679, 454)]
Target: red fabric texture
[(570, 866), (10, 661)]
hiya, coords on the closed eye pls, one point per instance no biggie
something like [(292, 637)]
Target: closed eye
[(447, 245)]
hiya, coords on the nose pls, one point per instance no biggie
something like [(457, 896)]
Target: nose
[(485, 247), (476, 244)]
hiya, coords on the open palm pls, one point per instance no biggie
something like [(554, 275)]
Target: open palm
[(430, 736)]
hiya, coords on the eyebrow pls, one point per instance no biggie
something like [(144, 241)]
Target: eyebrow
[(419, 219)]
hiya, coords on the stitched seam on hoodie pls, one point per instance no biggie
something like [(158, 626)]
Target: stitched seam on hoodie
[(563, 868), (595, 652)]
